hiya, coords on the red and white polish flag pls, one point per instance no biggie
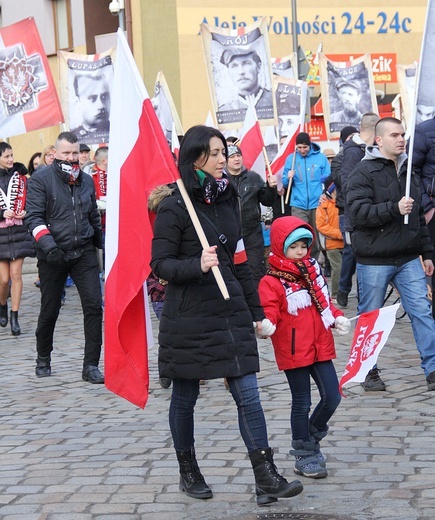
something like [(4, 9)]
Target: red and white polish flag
[(371, 333), (28, 97), (140, 160), (252, 143)]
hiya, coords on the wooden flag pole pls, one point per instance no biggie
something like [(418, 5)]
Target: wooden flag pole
[(287, 195)]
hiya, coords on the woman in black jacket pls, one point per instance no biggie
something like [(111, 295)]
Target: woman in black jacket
[(202, 335), (15, 241)]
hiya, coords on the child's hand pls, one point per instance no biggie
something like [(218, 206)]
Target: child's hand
[(342, 326), (265, 328)]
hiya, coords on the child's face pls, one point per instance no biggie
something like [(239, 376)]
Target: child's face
[(297, 250)]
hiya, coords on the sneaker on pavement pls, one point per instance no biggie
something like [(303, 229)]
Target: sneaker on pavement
[(430, 379), (309, 466), (342, 299), (374, 383)]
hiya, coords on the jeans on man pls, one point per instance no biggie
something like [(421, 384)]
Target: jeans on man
[(85, 273), (410, 281), (245, 393), (348, 263), (299, 380)]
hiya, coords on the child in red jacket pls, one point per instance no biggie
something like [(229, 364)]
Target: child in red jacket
[(295, 298)]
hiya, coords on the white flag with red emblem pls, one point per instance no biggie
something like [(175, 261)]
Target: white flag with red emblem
[(140, 160), (251, 142), (371, 333), (28, 97)]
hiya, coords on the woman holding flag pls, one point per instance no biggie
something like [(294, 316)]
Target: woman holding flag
[(202, 335), (15, 241)]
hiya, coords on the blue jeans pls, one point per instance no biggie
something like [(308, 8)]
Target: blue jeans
[(244, 390), (410, 281), (325, 377), (348, 263)]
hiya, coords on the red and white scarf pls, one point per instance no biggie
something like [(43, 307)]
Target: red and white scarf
[(100, 182), (14, 199), (303, 284)]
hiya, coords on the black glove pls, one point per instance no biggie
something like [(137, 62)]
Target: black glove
[(56, 257), (97, 239)]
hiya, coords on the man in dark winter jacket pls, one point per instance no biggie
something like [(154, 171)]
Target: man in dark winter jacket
[(253, 191), (387, 250), (423, 162), (63, 218)]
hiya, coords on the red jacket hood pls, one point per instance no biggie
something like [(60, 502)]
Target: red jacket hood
[(281, 229)]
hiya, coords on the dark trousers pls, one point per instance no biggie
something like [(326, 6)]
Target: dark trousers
[(348, 263), (85, 273), (254, 246)]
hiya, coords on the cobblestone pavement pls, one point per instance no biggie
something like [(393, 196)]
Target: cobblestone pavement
[(74, 451)]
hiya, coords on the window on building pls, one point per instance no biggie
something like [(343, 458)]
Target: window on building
[(62, 24)]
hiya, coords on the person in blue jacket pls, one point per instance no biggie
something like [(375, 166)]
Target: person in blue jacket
[(304, 171)]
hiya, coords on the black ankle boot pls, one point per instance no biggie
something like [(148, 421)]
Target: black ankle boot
[(15, 327), (269, 484), (43, 368), (191, 480), (4, 315)]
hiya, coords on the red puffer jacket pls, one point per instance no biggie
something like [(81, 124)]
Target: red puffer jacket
[(300, 340)]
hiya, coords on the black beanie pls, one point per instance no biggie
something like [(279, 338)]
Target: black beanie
[(346, 132), (303, 138)]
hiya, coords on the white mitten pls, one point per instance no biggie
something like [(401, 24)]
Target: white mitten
[(342, 326), (267, 327)]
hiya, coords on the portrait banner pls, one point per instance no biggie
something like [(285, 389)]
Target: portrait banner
[(165, 109), (348, 91), (290, 96), (406, 76), (239, 72), (85, 85), (425, 101), (286, 66), (28, 97)]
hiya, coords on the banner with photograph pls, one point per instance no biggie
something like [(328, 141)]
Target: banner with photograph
[(165, 109), (239, 71), (406, 76), (290, 96), (28, 97), (85, 85), (425, 102), (286, 66), (348, 91)]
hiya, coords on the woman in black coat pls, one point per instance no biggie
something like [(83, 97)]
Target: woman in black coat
[(15, 241), (202, 335)]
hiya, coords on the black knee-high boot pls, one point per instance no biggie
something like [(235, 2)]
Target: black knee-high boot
[(4, 315), (191, 480), (15, 327)]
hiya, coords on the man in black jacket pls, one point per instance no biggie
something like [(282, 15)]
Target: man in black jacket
[(386, 249), (63, 218)]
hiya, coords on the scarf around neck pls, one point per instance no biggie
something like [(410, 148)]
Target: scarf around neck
[(303, 284), (211, 186)]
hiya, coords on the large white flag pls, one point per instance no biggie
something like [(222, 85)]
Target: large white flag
[(371, 333)]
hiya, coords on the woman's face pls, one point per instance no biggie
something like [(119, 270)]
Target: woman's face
[(215, 163), (36, 162), (49, 157), (7, 159)]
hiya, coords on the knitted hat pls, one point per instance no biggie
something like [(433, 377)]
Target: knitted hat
[(233, 149), (298, 234), (303, 138), (346, 132)]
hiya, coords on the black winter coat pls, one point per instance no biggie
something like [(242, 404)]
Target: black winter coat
[(69, 212), (15, 241), (203, 336), (423, 161), (380, 235), (353, 153)]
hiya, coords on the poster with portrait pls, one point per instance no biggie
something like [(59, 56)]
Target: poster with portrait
[(425, 105), (164, 106), (239, 70), (28, 97), (406, 77), (348, 91), (85, 85), (286, 66), (291, 96)]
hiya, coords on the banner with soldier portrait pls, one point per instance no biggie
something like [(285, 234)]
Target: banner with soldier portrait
[(239, 72), (290, 95), (286, 66), (28, 97), (348, 91), (165, 109), (85, 85)]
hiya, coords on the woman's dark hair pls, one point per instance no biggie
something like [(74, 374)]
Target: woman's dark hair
[(20, 168), (3, 147), (195, 143), (30, 166)]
